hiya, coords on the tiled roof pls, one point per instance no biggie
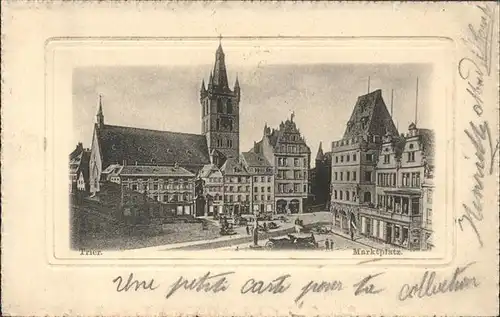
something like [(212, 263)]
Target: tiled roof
[(138, 170), (255, 160), (207, 170), (233, 166), (144, 146), (370, 115)]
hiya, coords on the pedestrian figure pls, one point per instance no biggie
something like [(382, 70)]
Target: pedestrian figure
[(352, 235), (331, 244), (248, 230), (327, 244)]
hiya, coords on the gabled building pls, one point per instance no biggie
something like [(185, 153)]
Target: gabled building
[(354, 159), (285, 148), (262, 173), (79, 169), (237, 187), (378, 177)]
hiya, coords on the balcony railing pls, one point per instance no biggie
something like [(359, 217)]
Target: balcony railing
[(388, 213)]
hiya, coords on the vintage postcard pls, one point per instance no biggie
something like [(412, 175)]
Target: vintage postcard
[(238, 166)]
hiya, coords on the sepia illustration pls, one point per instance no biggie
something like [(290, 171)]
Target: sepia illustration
[(297, 177)]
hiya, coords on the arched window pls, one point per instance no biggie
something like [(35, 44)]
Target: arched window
[(220, 108), (217, 124), (229, 106), (230, 124)]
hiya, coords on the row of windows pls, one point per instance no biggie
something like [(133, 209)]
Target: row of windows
[(262, 197), (262, 179), (262, 189), (221, 107), (399, 204), (291, 175), (410, 157), (291, 188), (237, 188), (348, 176), (411, 179), (290, 148), (215, 179), (344, 195), (162, 198), (237, 179), (157, 180), (233, 198), (284, 161), (224, 143), (386, 179), (159, 186), (347, 158), (258, 170)]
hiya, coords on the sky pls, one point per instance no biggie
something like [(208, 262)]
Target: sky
[(322, 96)]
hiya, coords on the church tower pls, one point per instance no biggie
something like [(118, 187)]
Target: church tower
[(220, 119)]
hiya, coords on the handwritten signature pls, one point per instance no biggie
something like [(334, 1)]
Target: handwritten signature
[(473, 71), (428, 287)]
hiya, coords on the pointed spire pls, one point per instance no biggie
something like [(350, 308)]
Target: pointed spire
[(210, 80), (219, 79), (320, 155), (100, 115), (236, 83), (203, 89)]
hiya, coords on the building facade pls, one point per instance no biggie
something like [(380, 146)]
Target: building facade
[(262, 174), (173, 186), (213, 190), (237, 187), (377, 176), (288, 153)]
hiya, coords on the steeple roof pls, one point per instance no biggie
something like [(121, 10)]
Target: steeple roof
[(219, 79), (320, 154)]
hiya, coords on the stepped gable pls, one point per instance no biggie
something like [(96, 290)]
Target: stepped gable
[(370, 116), (118, 143)]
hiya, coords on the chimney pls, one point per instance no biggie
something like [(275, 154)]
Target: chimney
[(124, 162)]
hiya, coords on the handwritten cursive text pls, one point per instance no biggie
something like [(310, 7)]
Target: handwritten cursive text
[(428, 286), (206, 283)]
